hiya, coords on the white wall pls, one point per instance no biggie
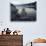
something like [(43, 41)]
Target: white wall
[(30, 30)]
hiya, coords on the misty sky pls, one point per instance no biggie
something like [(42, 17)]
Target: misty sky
[(30, 30)]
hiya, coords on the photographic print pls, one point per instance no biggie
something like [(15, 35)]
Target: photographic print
[(23, 12)]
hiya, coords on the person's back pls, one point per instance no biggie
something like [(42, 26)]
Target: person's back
[(8, 31), (23, 13)]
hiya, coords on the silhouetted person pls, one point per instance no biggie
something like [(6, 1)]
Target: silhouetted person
[(14, 32), (3, 32), (31, 43), (17, 15), (23, 13), (8, 31)]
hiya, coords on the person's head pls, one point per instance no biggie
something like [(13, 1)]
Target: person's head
[(23, 9), (7, 28)]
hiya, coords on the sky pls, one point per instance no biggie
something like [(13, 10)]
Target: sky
[(31, 30)]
